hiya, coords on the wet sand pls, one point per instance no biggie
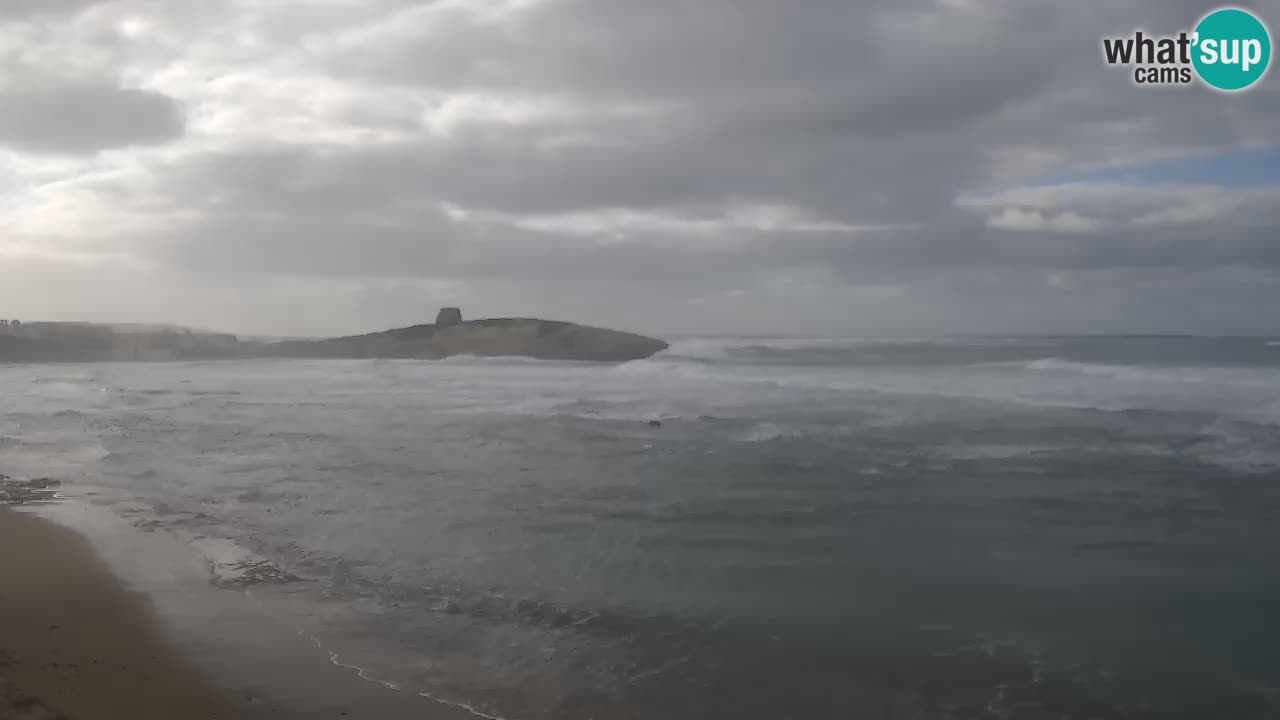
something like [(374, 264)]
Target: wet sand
[(76, 643)]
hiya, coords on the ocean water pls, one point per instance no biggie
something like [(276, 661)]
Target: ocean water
[(935, 528)]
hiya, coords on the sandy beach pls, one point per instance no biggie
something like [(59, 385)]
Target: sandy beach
[(74, 643), (77, 643)]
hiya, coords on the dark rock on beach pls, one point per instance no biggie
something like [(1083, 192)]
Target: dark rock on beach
[(18, 492)]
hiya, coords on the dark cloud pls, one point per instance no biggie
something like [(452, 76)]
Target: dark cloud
[(879, 111)]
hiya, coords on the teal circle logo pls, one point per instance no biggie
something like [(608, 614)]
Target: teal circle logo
[(1231, 49)]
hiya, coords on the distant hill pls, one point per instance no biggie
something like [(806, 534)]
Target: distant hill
[(545, 339)]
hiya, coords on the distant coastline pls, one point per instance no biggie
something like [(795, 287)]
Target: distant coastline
[(448, 336)]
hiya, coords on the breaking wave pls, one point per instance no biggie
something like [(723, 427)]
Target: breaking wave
[(1115, 372)]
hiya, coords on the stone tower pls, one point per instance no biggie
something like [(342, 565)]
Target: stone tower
[(449, 316)]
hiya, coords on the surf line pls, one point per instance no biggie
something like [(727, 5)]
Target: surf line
[(362, 673)]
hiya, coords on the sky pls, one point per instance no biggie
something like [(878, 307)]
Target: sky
[(677, 167)]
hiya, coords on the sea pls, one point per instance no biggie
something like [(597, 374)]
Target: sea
[(747, 528)]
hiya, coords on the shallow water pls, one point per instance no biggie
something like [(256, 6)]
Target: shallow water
[(963, 528)]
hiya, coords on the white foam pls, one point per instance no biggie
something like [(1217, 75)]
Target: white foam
[(994, 451), (1234, 446), (671, 368), (768, 432), (1114, 372), (230, 563), (361, 672), (500, 361), (714, 349)]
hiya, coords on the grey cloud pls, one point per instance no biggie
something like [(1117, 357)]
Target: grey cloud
[(19, 9), (911, 120), (875, 110), (78, 117), (287, 213)]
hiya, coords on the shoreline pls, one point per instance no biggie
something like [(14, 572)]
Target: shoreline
[(74, 643), (100, 620)]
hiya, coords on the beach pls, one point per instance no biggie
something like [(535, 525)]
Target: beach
[(74, 643), (77, 644)]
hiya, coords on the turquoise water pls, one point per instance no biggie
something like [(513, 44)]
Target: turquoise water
[(934, 528)]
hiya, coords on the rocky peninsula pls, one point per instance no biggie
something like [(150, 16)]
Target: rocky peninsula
[(450, 335)]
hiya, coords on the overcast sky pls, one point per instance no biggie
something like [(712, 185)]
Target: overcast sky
[(868, 167)]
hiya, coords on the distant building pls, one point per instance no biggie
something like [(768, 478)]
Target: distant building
[(64, 331), (449, 316)]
